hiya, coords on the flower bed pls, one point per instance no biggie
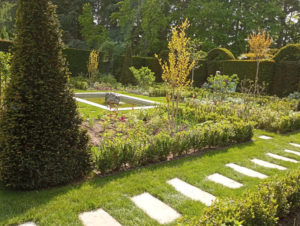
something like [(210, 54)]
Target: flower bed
[(139, 140)]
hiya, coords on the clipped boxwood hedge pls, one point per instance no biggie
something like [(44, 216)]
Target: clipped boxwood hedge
[(273, 199), (282, 73), (220, 54), (289, 52)]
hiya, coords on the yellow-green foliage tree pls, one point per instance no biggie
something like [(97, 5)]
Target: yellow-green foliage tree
[(93, 64), (259, 44), (177, 68)]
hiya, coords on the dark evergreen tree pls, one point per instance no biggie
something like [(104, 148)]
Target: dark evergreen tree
[(41, 143)]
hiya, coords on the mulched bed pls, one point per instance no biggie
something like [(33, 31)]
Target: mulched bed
[(292, 219)]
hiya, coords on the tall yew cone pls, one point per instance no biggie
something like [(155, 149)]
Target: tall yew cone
[(41, 143)]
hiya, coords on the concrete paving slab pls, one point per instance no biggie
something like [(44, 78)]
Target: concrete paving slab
[(246, 171), (155, 208), (295, 145), (225, 181), (279, 157), (192, 192), (268, 164), (98, 218), (265, 137), (292, 152), (28, 224)]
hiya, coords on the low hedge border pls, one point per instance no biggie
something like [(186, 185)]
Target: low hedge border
[(273, 199), (121, 154)]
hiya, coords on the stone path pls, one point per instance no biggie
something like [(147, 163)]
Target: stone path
[(246, 171), (98, 218), (192, 192), (155, 208), (295, 145), (279, 157), (265, 137), (28, 224), (225, 181), (267, 164), (165, 214), (292, 152)]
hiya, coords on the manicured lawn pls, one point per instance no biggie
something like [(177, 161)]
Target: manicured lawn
[(61, 206)]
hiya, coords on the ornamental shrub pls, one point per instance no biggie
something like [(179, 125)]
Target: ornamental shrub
[(41, 143), (144, 76)]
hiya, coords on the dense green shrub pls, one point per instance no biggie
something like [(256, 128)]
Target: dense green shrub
[(290, 52), (144, 76), (79, 82), (219, 54), (41, 143), (5, 45), (272, 200), (223, 83)]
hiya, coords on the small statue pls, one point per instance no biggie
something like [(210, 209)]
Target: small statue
[(112, 99)]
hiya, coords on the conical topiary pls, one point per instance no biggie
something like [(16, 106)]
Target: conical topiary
[(41, 143)]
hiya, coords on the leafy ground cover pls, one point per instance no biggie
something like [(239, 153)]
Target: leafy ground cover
[(61, 206)]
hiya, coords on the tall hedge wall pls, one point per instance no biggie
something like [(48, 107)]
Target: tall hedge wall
[(282, 74), (286, 78), (78, 60)]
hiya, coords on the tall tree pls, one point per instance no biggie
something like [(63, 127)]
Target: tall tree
[(7, 18), (94, 34), (143, 24), (41, 143)]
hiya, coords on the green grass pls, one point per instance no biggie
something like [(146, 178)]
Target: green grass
[(61, 206)]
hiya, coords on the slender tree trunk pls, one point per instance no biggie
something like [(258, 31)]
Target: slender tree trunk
[(193, 72), (0, 91), (256, 78)]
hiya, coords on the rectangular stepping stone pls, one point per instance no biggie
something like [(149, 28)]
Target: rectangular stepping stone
[(155, 208), (268, 164), (28, 224), (292, 152), (246, 171), (192, 192), (282, 158), (225, 181), (265, 137), (295, 145), (97, 218)]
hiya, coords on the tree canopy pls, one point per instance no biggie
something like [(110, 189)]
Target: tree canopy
[(143, 25)]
